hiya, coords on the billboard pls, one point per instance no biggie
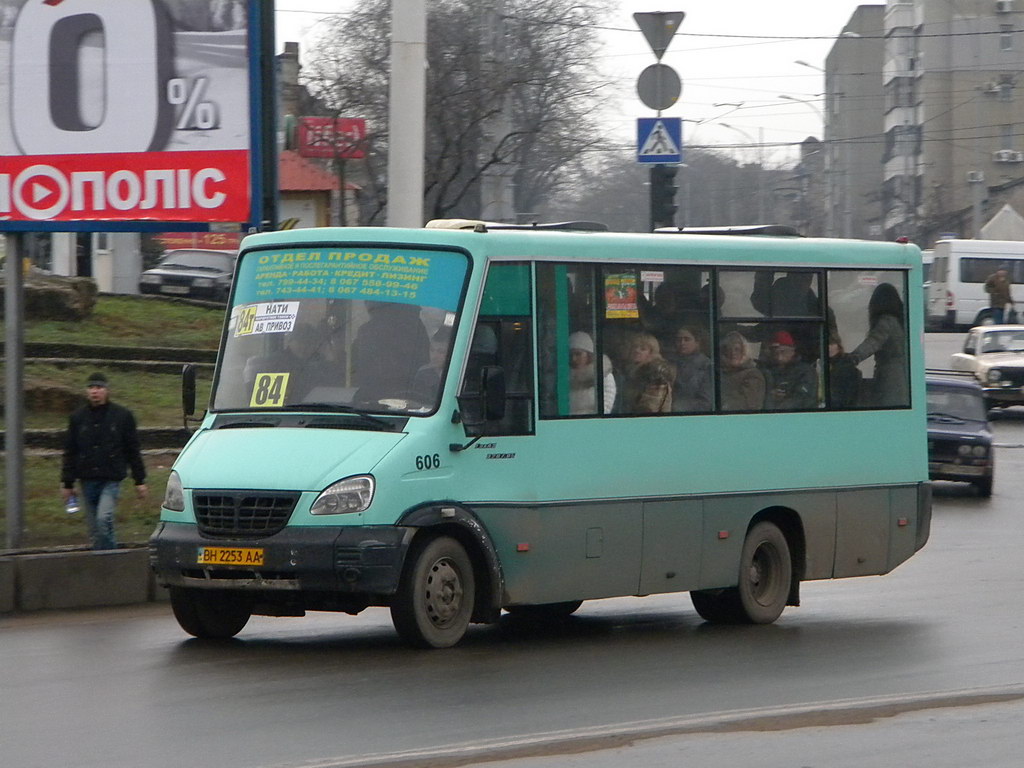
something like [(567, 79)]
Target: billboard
[(326, 137), (128, 114)]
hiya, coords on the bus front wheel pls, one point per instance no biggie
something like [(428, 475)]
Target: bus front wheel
[(434, 601), (766, 573), (209, 615)]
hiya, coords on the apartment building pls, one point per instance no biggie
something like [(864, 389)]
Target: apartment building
[(954, 120)]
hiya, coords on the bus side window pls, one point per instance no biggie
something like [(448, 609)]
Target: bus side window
[(871, 315)]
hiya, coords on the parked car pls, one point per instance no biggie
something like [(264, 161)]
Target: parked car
[(994, 355), (191, 272), (959, 437)]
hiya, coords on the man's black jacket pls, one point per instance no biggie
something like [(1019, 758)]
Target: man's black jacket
[(101, 443)]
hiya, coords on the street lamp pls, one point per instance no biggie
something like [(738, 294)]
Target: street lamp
[(805, 64), (817, 109)]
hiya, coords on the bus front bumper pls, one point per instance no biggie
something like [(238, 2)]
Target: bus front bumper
[(358, 560)]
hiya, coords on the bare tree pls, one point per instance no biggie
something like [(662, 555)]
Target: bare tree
[(539, 79)]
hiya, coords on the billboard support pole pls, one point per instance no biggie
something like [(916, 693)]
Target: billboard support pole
[(268, 117), (14, 396)]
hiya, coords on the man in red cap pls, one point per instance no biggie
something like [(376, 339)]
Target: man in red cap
[(792, 383)]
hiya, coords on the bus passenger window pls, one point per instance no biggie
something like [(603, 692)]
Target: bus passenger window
[(576, 370), (871, 315)]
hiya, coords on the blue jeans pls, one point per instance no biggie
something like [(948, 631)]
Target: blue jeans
[(100, 497), (997, 315)]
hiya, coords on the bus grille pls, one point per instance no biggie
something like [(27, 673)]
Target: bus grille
[(233, 513)]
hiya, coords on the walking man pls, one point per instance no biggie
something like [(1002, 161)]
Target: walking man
[(100, 445), (997, 286)]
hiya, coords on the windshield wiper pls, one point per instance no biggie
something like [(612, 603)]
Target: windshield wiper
[(335, 408)]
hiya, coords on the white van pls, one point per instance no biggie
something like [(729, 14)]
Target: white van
[(956, 296)]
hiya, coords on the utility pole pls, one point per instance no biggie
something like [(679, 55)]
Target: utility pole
[(407, 113), (496, 189)]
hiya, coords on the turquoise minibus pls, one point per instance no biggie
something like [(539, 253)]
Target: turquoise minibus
[(456, 422)]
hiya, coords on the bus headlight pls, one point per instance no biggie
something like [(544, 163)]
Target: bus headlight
[(994, 376), (174, 496), (353, 494)]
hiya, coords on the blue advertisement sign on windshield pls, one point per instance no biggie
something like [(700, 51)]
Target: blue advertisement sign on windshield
[(422, 278)]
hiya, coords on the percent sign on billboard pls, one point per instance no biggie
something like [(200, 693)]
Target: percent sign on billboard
[(129, 111)]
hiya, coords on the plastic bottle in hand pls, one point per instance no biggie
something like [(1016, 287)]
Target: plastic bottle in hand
[(71, 507)]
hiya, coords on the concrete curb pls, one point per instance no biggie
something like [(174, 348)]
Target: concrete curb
[(79, 579)]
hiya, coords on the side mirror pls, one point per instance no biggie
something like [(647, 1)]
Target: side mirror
[(188, 389)]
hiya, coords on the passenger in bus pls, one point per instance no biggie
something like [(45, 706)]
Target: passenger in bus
[(791, 383), (844, 376), (791, 295), (742, 382), (388, 350), (692, 390), (427, 381), (887, 342), (648, 378), (583, 377), (677, 301), (295, 356)]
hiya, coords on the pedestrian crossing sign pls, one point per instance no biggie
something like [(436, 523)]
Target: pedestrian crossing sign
[(659, 140)]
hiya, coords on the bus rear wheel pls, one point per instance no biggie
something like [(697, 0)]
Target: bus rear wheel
[(434, 601), (208, 614), (766, 573)]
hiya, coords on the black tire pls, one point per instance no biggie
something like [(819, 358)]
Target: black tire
[(717, 606), (434, 601), (208, 614), (766, 573), (984, 486), (544, 611)]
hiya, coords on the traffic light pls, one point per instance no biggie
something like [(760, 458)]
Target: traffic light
[(663, 194)]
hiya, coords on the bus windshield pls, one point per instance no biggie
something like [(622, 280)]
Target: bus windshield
[(317, 331)]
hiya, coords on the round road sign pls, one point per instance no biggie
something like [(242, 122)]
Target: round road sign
[(659, 86)]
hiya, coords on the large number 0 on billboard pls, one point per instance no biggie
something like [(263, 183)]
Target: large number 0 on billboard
[(116, 112)]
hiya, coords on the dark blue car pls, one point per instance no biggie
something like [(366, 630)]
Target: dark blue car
[(959, 437)]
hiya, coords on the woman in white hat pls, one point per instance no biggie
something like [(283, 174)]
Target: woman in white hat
[(583, 377)]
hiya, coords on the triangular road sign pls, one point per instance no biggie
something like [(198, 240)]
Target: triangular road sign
[(658, 28)]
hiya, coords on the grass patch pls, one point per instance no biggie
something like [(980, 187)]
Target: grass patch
[(46, 524), (135, 321), (154, 398)]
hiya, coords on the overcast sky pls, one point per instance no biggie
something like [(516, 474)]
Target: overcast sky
[(726, 51)]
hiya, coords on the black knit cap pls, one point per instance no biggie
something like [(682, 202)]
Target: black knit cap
[(97, 380)]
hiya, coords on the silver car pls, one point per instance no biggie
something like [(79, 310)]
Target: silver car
[(994, 355)]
